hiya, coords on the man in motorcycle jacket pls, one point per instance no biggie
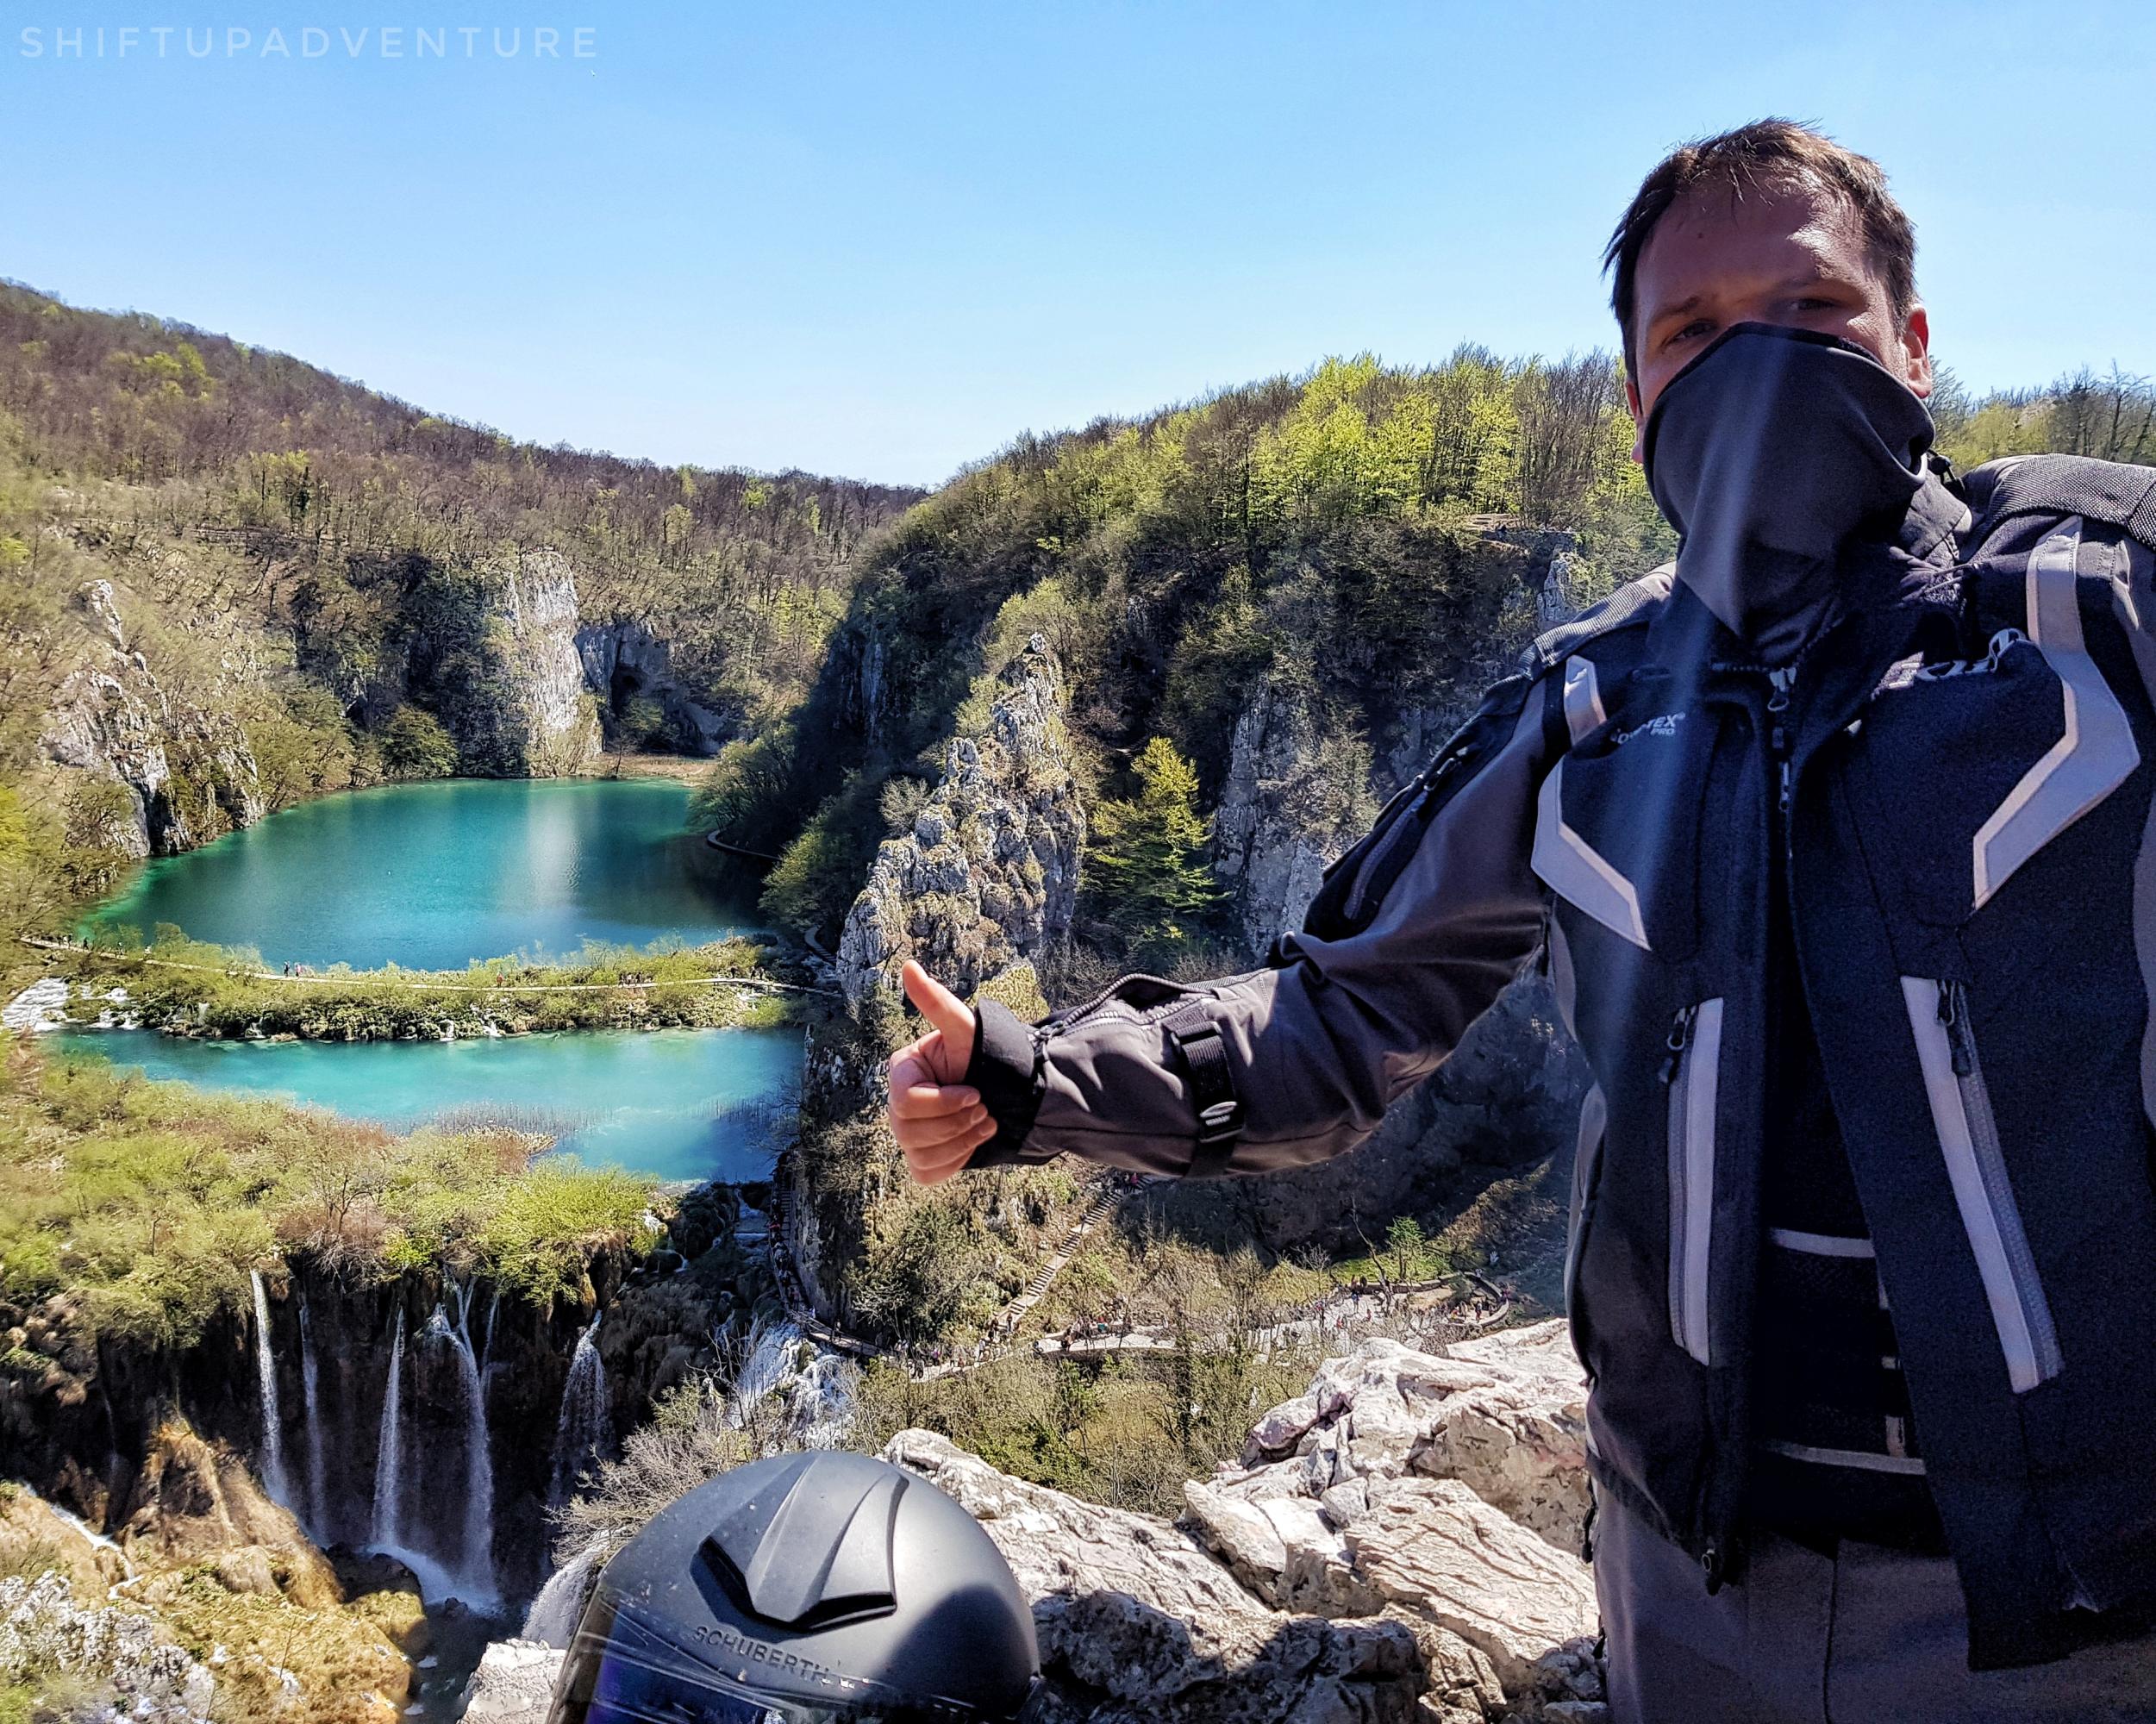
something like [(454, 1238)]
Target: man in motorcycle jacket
[(1838, 843)]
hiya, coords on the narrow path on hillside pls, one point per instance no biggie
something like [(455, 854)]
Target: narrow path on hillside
[(1328, 1311)]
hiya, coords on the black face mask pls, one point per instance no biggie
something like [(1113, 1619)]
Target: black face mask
[(1770, 453)]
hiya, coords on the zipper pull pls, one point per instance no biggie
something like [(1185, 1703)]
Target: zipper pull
[(1953, 1013), (1777, 737), (1710, 1563), (1680, 1038)]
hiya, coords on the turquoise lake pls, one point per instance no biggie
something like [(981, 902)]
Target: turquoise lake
[(432, 875), (675, 1103)]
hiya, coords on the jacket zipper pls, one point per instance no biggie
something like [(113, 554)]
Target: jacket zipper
[(1976, 1167), (1778, 741), (1070, 1016), (1690, 1072), (1419, 792)]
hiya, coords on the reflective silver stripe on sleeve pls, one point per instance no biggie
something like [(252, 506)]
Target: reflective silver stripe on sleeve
[(1820, 1245), (1583, 697), (2133, 602), (1857, 1458), (1571, 867), (1565, 981), (1969, 1139), (2097, 751), (1694, 1092)]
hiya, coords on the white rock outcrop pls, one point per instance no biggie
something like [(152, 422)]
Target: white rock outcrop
[(988, 877), (121, 1658), (1399, 1547), (1450, 1489), (514, 1683), (168, 767), (1290, 804)]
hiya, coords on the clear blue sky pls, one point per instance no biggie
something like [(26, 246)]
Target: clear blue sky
[(881, 238)]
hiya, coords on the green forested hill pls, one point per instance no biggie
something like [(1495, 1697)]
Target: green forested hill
[(230, 580), (1327, 532), (1324, 528)]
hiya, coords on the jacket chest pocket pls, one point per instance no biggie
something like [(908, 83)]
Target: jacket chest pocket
[(1973, 768), (1618, 827)]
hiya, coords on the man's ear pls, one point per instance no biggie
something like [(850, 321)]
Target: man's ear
[(1639, 426), (1916, 369)]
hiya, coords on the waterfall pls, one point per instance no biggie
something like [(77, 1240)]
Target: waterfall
[(478, 1468), (552, 1619), (769, 1360), (273, 1479), (582, 1431), (386, 1517), (815, 1400), (317, 1485)]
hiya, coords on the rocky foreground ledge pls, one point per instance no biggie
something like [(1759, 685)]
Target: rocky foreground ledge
[(1399, 1543)]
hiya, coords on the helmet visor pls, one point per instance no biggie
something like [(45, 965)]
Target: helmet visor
[(618, 1673)]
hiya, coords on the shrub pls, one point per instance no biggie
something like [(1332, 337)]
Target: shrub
[(415, 745)]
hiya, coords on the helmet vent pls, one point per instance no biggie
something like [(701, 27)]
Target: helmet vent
[(813, 1548)]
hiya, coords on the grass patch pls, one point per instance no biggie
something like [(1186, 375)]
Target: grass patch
[(186, 987), (149, 1202)]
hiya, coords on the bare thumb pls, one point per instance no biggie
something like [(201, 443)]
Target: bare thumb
[(943, 1010)]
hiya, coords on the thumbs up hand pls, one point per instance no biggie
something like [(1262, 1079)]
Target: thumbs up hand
[(938, 1120)]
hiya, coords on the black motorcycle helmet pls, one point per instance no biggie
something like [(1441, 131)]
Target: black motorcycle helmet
[(806, 1589)]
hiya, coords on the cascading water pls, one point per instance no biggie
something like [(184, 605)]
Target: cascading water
[(386, 1515), (815, 1401), (555, 1613), (273, 1478), (582, 1433), (771, 1345), (479, 1471), (317, 1483)]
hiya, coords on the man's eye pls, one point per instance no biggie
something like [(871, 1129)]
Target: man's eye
[(1699, 326)]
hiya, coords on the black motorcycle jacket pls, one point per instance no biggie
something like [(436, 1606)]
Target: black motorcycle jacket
[(1961, 769)]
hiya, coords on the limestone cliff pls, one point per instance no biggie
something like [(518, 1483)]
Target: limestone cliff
[(539, 590), (1293, 800), (1305, 775), (491, 648), (163, 769), (627, 667), (988, 877)]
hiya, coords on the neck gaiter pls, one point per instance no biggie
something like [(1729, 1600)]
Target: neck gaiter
[(1769, 453)]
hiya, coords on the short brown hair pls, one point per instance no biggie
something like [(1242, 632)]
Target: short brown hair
[(1766, 155)]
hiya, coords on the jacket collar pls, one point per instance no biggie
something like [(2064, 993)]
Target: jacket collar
[(1900, 576)]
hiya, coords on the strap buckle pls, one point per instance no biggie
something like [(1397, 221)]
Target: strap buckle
[(1219, 1111)]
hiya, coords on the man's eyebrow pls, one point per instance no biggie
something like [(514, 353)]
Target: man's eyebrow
[(1666, 312)]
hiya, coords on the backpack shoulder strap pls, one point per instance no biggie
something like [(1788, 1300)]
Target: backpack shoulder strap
[(2115, 492)]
